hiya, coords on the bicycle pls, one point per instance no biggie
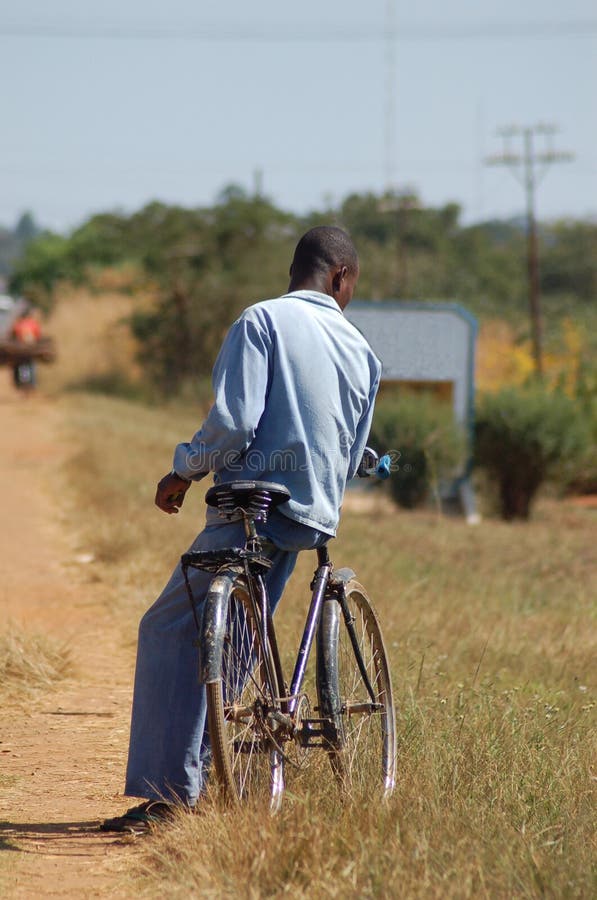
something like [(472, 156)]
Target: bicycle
[(252, 716)]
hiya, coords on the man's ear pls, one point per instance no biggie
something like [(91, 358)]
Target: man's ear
[(339, 277)]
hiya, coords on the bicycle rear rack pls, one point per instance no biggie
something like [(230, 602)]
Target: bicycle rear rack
[(214, 560)]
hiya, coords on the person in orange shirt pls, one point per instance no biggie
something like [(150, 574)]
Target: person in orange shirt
[(26, 330)]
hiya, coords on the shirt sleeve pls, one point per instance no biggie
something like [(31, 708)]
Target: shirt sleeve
[(240, 379), (364, 427)]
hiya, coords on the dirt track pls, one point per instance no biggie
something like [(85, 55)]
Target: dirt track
[(62, 755)]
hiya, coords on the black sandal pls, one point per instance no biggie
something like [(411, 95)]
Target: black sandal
[(138, 819)]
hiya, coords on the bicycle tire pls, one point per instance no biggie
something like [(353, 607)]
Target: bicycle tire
[(362, 751), (246, 760)]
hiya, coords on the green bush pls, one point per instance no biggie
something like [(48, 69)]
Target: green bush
[(44, 263), (524, 436), (583, 478), (428, 443)]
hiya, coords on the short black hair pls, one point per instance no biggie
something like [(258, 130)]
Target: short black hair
[(324, 248)]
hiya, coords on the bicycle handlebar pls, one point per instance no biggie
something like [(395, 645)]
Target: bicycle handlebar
[(372, 465)]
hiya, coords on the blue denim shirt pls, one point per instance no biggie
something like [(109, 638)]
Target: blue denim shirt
[(294, 385)]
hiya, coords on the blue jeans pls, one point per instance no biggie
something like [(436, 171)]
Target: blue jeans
[(169, 743)]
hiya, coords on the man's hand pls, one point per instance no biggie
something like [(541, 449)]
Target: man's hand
[(170, 492)]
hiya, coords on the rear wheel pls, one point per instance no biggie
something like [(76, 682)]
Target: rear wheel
[(362, 743), (245, 755)]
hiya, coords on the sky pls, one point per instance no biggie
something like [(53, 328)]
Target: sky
[(108, 106)]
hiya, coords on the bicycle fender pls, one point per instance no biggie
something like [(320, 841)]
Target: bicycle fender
[(213, 627), (342, 576)]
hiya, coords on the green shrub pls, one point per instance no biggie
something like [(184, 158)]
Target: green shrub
[(429, 444), (583, 478), (525, 435)]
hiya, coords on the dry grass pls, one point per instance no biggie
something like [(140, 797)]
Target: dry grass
[(93, 339), (492, 642), (123, 449), (30, 663)]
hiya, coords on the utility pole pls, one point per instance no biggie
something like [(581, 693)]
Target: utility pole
[(258, 184), (529, 168)]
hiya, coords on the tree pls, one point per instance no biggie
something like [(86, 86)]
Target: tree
[(43, 263), (207, 266), (569, 259), (26, 228), (522, 438)]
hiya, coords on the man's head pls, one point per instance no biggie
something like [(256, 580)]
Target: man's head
[(325, 260)]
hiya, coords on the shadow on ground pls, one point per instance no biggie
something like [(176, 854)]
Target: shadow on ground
[(57, 838)]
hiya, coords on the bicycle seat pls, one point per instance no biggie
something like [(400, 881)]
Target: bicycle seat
[(248, 498)]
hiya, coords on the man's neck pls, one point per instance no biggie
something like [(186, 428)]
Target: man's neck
[(322, 285)]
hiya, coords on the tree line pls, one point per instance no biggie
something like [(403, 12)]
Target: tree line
[(204, 265)]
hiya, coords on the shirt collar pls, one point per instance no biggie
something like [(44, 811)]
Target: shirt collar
[(317, 298)]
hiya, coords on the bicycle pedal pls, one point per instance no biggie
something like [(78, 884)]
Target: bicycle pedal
[(319, 732)]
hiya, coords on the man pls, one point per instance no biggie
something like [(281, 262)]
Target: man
[(294, 387), (27, 332)]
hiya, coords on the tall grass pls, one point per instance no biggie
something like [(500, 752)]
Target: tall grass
[(491, 633), (93, 340)]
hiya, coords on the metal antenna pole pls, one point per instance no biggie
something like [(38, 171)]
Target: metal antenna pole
[(524, 168), (390, 112)]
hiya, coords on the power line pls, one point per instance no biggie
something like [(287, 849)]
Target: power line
[(299, 34), (529, 167), (414, 167)]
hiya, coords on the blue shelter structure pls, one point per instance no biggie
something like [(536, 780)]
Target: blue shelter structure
[(428, 344)]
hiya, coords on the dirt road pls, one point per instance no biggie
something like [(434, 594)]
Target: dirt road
[(62, 755)]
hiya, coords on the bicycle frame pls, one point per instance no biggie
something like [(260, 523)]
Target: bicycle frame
[(211, 635), (320, 587)]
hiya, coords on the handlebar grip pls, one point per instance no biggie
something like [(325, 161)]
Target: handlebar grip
[(383, 467)]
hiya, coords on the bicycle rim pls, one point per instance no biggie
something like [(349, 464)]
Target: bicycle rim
[(245, 757), (363, 750)]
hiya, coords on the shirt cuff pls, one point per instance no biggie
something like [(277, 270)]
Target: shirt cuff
[(180, 477), (183, 464)]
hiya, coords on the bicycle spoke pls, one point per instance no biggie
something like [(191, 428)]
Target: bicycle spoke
[(363, 752), (247, 763)]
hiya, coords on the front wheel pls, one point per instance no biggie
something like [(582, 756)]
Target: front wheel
[(241, 705), (355, 694)]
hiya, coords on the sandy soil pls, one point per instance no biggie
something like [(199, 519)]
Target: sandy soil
[(62, 755)]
